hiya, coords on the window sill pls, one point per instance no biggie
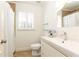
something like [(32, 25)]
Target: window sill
[(25, 29)]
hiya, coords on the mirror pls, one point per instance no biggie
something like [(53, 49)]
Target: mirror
[(70, 14)]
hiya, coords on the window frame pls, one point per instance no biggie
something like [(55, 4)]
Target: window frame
[(26, 28)]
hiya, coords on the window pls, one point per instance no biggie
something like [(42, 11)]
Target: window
[(25, 20)]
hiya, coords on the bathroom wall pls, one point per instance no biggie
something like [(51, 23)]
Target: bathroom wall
[(24, 38), (50, 15)]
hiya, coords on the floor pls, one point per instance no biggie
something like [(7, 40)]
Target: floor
[(23, 54)]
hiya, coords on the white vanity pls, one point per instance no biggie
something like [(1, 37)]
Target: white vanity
[(48, 51), (54, 47)]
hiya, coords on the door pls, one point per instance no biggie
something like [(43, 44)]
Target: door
[(3, 43), (6, 30)]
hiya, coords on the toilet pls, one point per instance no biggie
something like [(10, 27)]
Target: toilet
[(36, 49)]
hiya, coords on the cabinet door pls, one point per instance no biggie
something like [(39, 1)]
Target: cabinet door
[(48, 51), (43, 48)]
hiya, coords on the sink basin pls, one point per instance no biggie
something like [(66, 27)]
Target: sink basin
[(69, 48)]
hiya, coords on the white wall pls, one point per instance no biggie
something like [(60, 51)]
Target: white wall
[(50, 15), (27, 37)]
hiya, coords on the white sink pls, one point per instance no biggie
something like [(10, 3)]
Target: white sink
[(68, 48)]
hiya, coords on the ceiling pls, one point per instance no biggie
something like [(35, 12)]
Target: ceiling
[(71, 6)]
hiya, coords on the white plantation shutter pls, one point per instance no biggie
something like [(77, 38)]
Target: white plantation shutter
[(25, 20)]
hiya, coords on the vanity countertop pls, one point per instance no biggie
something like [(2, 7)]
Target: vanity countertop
[(68, 48)]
